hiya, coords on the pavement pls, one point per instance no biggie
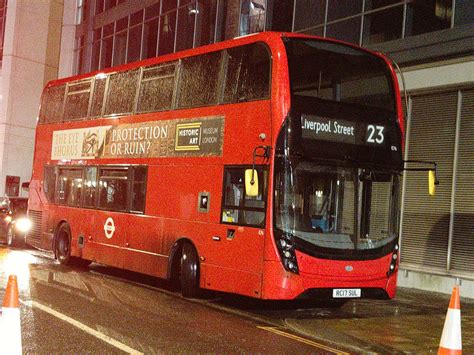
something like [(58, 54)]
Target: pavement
[(410, 323)]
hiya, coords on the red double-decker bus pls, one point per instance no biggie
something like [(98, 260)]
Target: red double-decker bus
[(267, 166)]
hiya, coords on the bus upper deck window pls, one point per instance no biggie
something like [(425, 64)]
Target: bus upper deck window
[(248, 73)]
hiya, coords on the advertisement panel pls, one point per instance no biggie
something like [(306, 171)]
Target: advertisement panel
[(169, 138)]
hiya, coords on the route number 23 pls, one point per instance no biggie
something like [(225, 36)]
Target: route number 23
[(375, 134)]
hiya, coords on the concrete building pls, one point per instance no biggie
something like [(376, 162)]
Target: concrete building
[(431, 40)]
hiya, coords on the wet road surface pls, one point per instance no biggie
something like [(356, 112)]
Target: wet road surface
[(66, 310), (106, 310)]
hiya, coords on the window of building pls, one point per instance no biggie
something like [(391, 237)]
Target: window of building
[(107, 45), (376, 4), (383, 26), (252, 16), (347, 30), (3, 19), (282, 16), (169, 5), (427, 16), (120, 41), (383, 20), (309, 13), (464, 12), (206, 14), (237, 207), (186, 23), (150, 31), (135, 37), (99, 6), (337, 11), (109, 4), (167, 33), (79, 12), (80, 54)]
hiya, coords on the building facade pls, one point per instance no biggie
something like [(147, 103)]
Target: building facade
[(431, 40)]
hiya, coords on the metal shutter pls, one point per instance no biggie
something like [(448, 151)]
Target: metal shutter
[(463, 232), (426, 218)]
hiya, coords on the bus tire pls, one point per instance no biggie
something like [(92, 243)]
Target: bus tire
[(62, 246), (189, 272)]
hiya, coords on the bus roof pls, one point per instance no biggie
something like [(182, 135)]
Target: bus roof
[(271, 38)]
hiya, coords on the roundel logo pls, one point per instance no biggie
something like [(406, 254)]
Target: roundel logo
[(349, 268), (109, 228)]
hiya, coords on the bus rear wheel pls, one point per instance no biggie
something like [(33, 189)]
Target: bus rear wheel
[(63, 248), (63, 244), (189, 272)]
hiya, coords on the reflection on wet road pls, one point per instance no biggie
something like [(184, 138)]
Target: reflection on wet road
[(103, 310), (106, 310)]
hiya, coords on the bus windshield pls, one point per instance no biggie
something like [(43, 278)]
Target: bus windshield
[(335, 72), (336, 210)]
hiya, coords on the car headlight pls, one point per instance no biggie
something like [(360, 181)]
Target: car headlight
[(23, 225)]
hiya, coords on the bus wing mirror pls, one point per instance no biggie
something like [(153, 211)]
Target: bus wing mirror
[(251, 183), (431, 182), (432, 173)]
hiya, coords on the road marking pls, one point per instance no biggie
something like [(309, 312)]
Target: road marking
[(83, 327), (302, 340)]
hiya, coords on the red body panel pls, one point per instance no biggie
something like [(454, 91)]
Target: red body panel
[(248, 263), (279, 284)]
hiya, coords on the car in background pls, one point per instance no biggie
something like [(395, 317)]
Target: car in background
[(14, 222)]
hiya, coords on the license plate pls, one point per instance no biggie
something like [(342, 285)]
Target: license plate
[(346, 293)]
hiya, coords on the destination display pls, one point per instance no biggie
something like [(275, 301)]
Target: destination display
[(342, 131), (180, 137)]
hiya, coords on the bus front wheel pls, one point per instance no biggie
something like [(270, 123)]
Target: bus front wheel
[(189, 272)]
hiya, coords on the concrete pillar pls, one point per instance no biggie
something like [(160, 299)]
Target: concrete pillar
[(30, 60)]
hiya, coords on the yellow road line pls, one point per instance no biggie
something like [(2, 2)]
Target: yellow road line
[(302, 340)]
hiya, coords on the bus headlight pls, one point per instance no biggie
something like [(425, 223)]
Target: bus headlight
[(8, 219), (286, 250), (23, 225), (393, 261)]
